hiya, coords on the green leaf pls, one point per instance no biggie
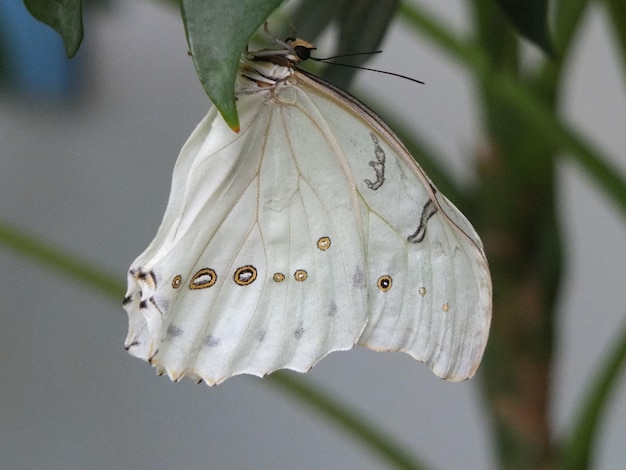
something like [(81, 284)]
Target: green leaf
[(311, 17), (579, 450), (64, 16), (359, 29), (509, 89), (77, 269), (567, 16), (530, 19), (617, 16), (217, 33)]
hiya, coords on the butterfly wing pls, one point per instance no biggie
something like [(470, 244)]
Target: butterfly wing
[(428, 279), (309, 231), (258, 264)]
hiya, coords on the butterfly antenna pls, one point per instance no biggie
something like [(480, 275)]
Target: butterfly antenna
[(324, 59), (329, 60)]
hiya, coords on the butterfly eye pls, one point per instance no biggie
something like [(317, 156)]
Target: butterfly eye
[(301, 48), (303, 52)]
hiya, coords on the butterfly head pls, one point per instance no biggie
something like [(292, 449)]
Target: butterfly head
[(301, 49)]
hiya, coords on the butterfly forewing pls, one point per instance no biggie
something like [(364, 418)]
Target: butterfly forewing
[(435, 299)]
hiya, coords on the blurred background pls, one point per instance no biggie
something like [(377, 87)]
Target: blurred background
[(86, 155)]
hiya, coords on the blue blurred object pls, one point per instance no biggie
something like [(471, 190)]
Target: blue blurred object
[(33, 55)]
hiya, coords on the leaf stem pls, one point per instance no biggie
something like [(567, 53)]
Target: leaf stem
[(578, 450), (344, 417), (53, 257)]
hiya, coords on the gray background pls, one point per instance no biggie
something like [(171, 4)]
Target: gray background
[(93, 176)]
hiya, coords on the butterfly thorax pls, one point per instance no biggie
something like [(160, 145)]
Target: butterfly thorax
[(266, 68)]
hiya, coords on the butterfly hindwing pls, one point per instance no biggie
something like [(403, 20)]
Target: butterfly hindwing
[(261, 268)]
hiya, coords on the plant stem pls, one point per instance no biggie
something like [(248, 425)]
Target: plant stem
[(342, 416), (53, 257)]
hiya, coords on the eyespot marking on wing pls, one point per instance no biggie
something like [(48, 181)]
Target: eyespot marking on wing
[(245, 275), (300, 275), (378, 165), (428, 211), (384, 283), (323, 243), (177, 281), (278, 277), (202, 279), (422, 291), (445, 307)]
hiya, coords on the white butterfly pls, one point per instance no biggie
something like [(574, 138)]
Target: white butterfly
[(309, 231)]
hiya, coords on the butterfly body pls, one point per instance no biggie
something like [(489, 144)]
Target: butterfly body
[(309, 231)]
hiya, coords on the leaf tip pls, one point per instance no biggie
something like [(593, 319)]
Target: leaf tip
[(233, 124)]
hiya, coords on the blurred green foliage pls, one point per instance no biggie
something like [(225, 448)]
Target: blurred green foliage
[(512, 204)]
